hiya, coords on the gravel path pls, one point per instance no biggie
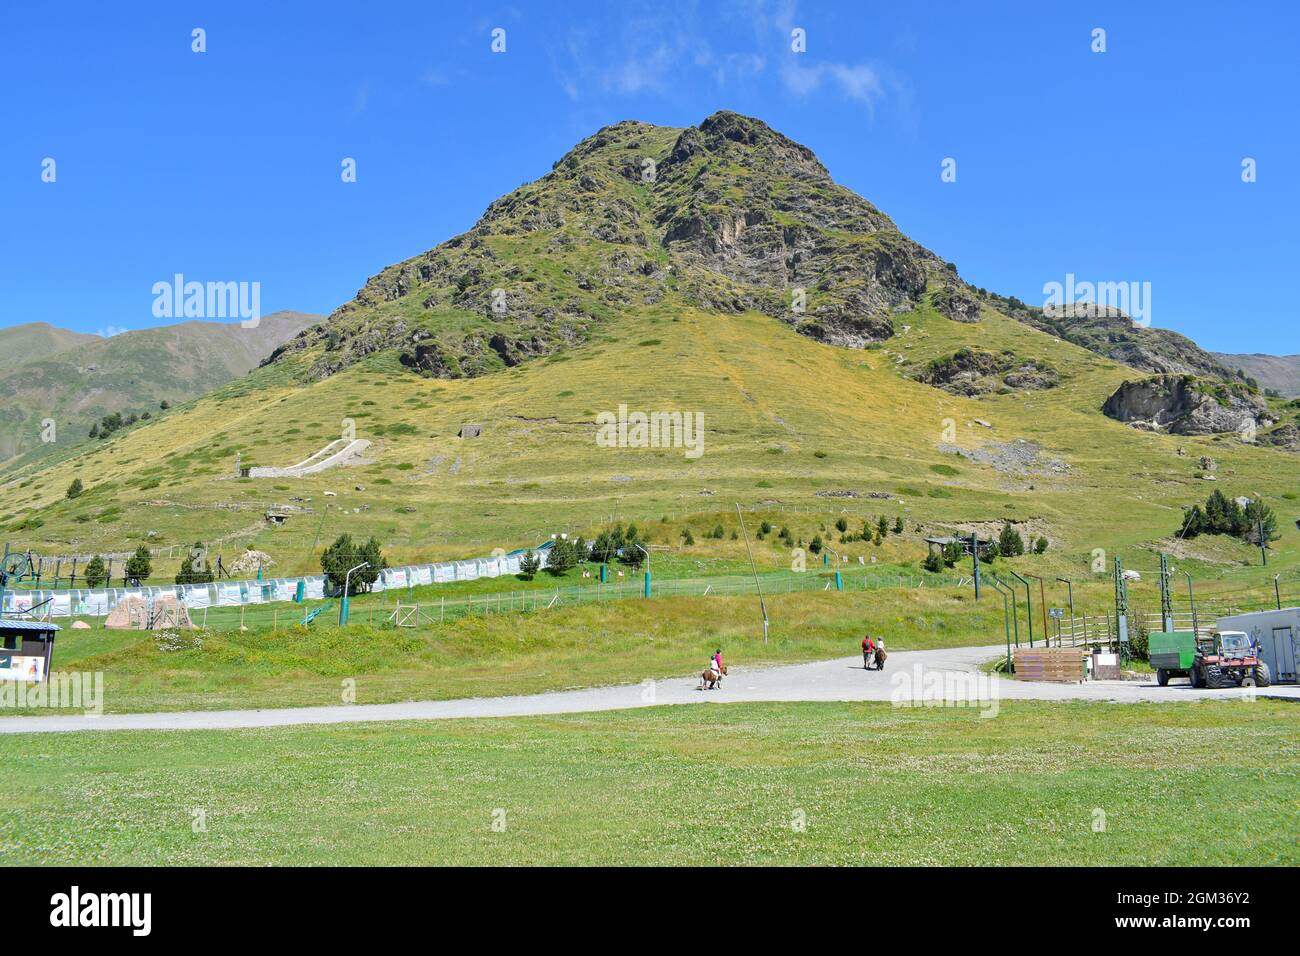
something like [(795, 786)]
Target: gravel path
[(952, 673)]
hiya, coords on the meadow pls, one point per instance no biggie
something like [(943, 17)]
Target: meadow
[(1049, 784)]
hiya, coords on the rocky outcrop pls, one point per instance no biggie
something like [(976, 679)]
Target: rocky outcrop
[(972, 372), (957, 303), (1186, 405), (1286, 437), (1109, 332)]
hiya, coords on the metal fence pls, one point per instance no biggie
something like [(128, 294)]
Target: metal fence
[(419, 607)]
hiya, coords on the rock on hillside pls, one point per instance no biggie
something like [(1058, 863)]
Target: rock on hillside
[(973, 372), (1185, 405)]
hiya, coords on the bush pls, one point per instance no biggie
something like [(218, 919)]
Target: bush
[(561, 557), (96, 573), (1040, 545), (1009, 542), (195, 568), (815, 545), (344, 554), (1223, 515), (75, 489), (841, 525), (898, 525), (138, 566), (529, 565), (687, 538), (933, 562)]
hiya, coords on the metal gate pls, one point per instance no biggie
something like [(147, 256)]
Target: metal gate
[(1284, 655)]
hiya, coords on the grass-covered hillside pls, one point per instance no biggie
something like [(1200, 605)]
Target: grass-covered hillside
[(667, 287)]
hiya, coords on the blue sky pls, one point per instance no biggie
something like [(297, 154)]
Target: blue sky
[(1117, 166)]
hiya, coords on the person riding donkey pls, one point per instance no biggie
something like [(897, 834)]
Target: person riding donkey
[(880, 654), (714, 671)]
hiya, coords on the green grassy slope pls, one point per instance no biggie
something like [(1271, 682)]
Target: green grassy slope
[(771, 399)]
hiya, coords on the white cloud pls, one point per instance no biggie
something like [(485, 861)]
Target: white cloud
[(856, 81), (111, 330), (653, 54)]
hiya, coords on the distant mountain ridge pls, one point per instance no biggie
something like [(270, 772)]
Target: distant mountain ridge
[(74, 379), (35, 340), (1280, 373)]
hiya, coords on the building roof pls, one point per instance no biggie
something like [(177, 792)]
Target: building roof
[(19, 624)]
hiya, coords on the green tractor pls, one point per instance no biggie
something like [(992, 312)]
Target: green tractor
[(1225, 659)]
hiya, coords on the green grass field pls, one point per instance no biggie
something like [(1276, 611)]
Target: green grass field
[(686, 785)]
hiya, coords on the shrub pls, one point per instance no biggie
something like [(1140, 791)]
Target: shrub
[(195, 568), (529, 565), (139, 565), (75, 489), (344, 554), (561, 557), (96, 573), (1009, 542)]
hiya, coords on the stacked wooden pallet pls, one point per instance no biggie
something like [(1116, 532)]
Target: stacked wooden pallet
[(1063, 664)]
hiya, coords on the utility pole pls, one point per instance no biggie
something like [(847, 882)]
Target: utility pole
[(1006, 623), (975, 560), (1029, 605), (1042, 604), (1070, 584), (1121, 608), (1166, 599), (762, 605), (1015, 619), (1191, 597)]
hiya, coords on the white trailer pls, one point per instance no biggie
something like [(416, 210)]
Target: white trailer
[(1276, 634)]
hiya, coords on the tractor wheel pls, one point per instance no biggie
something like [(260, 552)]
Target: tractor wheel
[(1194, 675), (1162, 676), (1216, 679), (1262, 677)]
